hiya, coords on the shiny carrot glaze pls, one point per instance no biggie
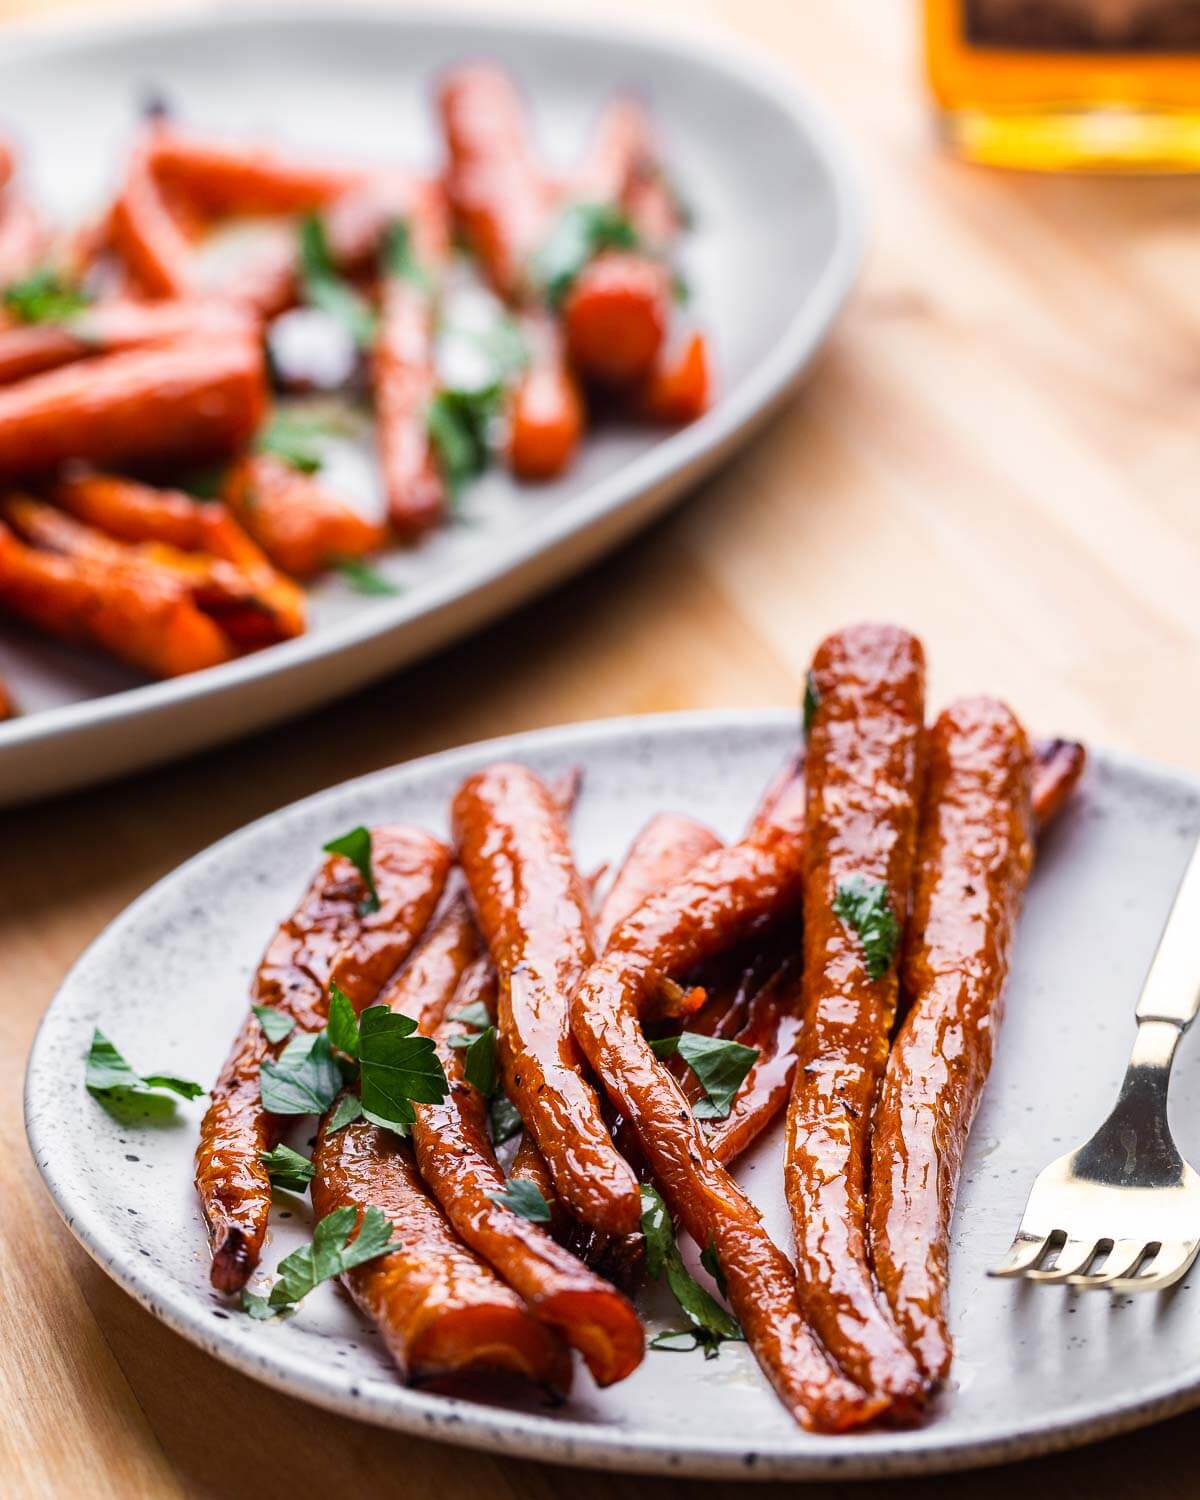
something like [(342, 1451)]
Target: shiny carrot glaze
[(404, 374), (456, 1160), (145, 232), (185, 403), (679, 388), (497, 188), (300, 524), (327, 939), (533, 912), (719, 901), (546, 414), (772, 1027), (441, 1312), (111, 327), (237, 178), (615, 317), (147, 620), (863, 784), (1057, 767), (662, 852), (973, 862)]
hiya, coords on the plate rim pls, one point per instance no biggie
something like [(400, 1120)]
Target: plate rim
[(680, 456), (549, 1438)]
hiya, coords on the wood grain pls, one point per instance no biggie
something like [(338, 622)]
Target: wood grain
[(1000, 449)]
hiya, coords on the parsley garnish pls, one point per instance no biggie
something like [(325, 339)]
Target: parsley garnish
[(109, 1076), (708, 1259), (504, 1119), (479, 1063), (304, 1079), (582, 231), (293, 438), (324, 288), (395, 1068), (812, 701), (44, 297), (347, 1109), (399, 258), (356, 846), (523, 1197), (331, 1253), (720, 1068), (866, 906), (364, 579), (711, 1325), (459, 423), (342, 1025), (287, 1168), (475, 1015), (275, 1024)]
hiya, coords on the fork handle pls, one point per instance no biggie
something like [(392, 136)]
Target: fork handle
[(1172, 988)]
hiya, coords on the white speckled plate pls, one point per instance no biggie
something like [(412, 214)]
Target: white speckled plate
[(1037, 1368), (777, 244)]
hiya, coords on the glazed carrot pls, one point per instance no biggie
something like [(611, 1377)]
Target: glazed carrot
[(1058, 765), (7, 707), (186, 403), (532, 910), (497, 188), (863, 779), (111, 327), (679, 388), (234, 178), (529, 1165), (148, 621), (615, 317), (134, 512), (546, 415), (404, 372), (622, 151), (661, 853), (296, 520), (327, 939), (145, 232), (357, 222), (456, 1160), (721, 900), (973, 862), (441, 1312)]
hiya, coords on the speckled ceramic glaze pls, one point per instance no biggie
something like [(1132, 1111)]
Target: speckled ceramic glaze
[(1037, 1368), (776, 246)]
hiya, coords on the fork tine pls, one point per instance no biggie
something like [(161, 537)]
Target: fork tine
[(1167, 1267), (1072, 1258), (1120, 1261), (1025, 1251)]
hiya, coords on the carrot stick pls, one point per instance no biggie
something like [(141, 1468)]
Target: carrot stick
[(615, 316), (546, 415), (233, 178), (146, 620), (185, 403), (300, 525), (679, 388), (145, 232)]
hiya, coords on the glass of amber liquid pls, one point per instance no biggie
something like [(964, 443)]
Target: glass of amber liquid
[(1068, 85)]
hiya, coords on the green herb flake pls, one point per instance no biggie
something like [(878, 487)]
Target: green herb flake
[(812, 702), (364, 579), (865, 905), (583, 230), (342, 1026), (44, 296), (356, 847), (475, 1015), (711, 1324), (504, 1120), (108, 1076), (708, 1259), (324, 288), (400, 259), (523, 1198), (275, 1024), (287, 1168), (331, 1253), (345, 1111), (720, 1068), (479, 1063), (397, 1068), (459, 423), (303, 1080), (295, 439)]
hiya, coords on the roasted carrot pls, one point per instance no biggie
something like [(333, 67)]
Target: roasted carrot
[(1058, 765), (145, 232), (973, 861), (327, 939), (112, 327), (497, 189), (532, 910), (149, 621), (615, 317), (863, 782), (456, 1160), (297, 521), (722, 899), (7, 707), (186, 403), (225, 177), (660, 854), (679, 387), (441, 1312), (546, 414)]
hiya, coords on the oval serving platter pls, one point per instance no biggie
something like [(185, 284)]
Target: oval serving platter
[(1036, 1369), (777, 245)]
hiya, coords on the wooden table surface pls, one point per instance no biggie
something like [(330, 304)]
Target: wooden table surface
[(999, 449)]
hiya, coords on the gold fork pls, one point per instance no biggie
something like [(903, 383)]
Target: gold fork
[(1122, 1212)]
